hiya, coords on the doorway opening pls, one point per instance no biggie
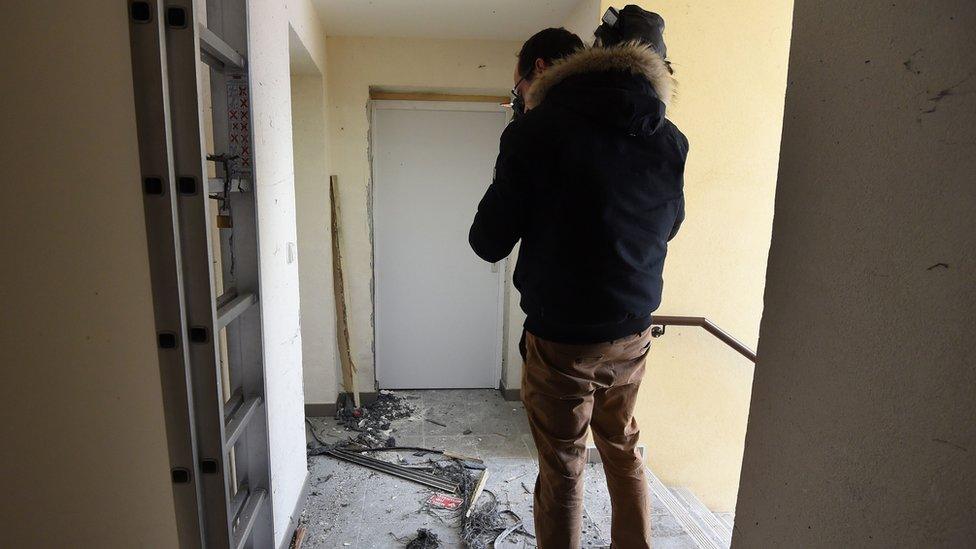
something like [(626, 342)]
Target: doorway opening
[(438, 309)]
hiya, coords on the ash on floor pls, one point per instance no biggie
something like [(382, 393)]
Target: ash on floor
[(350, 506)]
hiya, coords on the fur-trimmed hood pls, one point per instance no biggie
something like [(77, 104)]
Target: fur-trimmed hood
[(628, 86), (633, 58)]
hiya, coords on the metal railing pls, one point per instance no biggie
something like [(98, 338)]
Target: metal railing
[(660, 322)]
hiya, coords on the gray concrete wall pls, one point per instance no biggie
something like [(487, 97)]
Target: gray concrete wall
[(862, 430)]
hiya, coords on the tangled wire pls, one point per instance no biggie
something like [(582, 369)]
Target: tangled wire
[(485, 524)]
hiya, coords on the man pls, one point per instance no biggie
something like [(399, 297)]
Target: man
[(538, 54), (590, 180)]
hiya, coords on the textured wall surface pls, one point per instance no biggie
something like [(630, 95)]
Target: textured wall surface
[(862, 431), (270, 21), (83, 453), (275, 196)]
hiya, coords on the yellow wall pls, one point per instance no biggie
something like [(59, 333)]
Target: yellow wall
[(730, 59), (355, 64), (313, 217), (83, 451)]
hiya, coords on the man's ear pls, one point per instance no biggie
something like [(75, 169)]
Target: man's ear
[(540, 65)]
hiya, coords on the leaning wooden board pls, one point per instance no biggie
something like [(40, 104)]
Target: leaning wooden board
[(342, 326)]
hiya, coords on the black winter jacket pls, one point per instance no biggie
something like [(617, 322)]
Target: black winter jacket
[(590, 180)]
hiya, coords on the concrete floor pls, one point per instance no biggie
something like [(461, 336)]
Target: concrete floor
[(349, 506)]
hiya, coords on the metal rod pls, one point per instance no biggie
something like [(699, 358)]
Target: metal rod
[(710, 327), (239, 419), (233, 309), (239, 499), (395, 470), (215, 47), (225, 298), (404, 473), (247, 517), (232, 404)]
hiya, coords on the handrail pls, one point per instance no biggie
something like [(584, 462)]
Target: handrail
[(659, 323)]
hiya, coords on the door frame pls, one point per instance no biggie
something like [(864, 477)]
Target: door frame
[(500, 268)]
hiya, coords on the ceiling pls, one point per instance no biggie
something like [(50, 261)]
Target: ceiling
[(482, 19)]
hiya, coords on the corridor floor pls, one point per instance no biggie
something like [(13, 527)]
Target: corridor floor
[(350, 506)]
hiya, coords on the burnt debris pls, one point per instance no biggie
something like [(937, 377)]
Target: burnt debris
[(373, 422), (475, 510), (425, 540)]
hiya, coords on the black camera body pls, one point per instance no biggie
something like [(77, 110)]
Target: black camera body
[(632, 24)]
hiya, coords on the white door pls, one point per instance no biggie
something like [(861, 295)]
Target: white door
[(438, 306)]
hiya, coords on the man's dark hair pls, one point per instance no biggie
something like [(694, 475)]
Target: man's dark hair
[(549, 45)]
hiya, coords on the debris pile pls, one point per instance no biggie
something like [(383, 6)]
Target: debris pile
[(482, 524), (479, 529), (455, 472), (373, 422), (425, 540), (461, 498)]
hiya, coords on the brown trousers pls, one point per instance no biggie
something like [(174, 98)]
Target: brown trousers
[(565, 389)]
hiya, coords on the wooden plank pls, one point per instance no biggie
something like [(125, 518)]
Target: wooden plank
[(421, 96), (299, 538), (478, 488), (342, 325)]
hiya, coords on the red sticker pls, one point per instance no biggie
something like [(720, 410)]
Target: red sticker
[(444, 501)]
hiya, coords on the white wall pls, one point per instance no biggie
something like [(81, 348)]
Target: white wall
[(355, 64), (862, 431), (269, 22), (314, 230), (84, 453)]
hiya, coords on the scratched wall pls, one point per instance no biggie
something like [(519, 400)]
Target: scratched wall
[(862, 431)]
